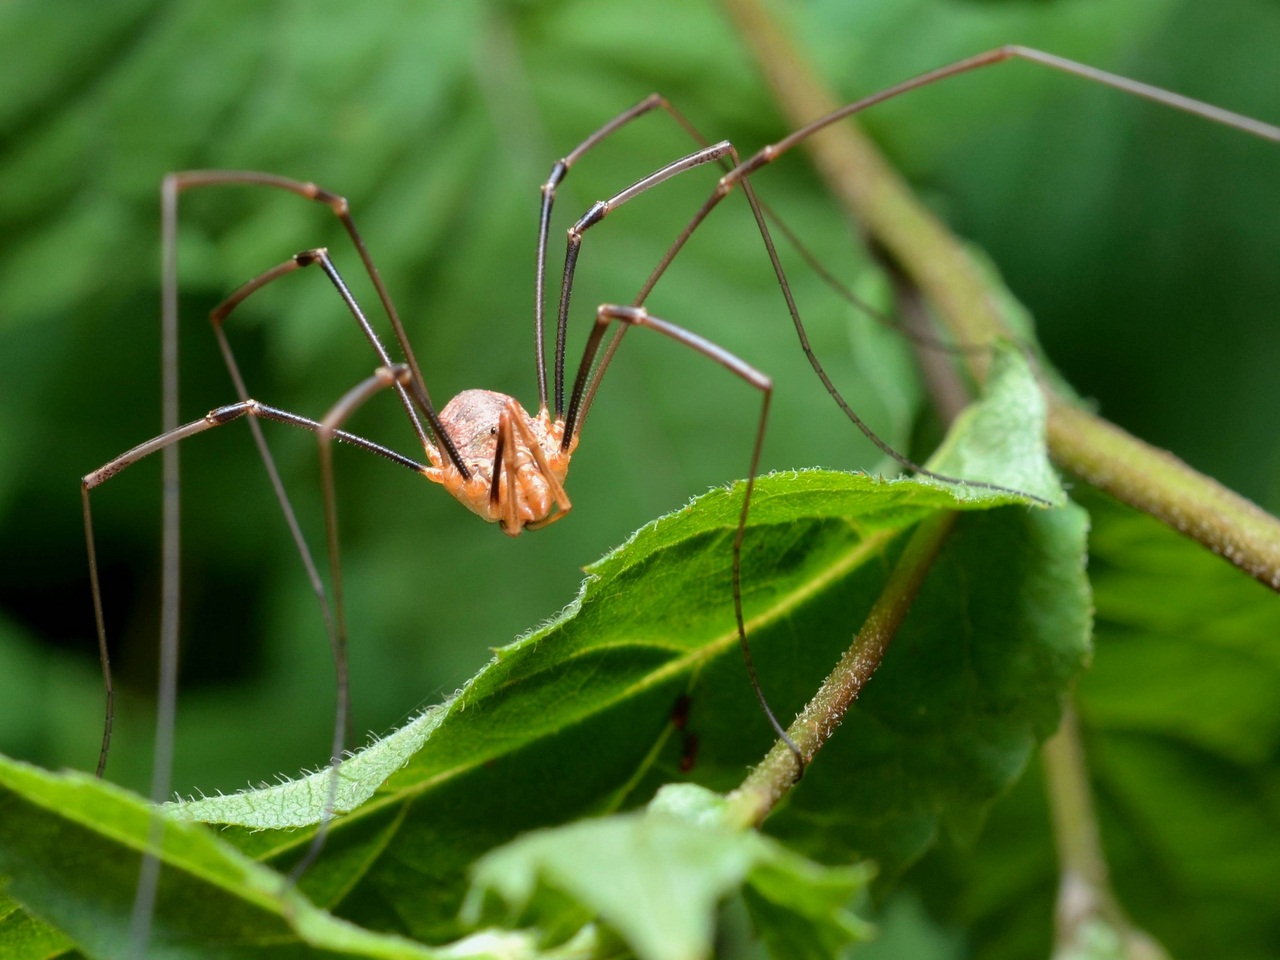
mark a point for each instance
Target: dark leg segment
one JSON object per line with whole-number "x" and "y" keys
{"x": 305, "y": 259}
{"x": 558, "y": 172}
{"x": 597, "y": 213}
{"x": 177, "y": 182}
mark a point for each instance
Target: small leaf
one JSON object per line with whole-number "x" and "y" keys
{"x": 801, "y": 909}
{"x": 1000, "y": 439}
{"x": 657, "y": 878}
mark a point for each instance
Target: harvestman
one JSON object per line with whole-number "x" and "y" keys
{"x": 501, "y": 462}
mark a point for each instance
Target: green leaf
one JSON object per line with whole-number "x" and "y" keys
{"x": 301, "y": 802}
{"x": 801, "y": 910}
{"x": 26, "y": 938}
{"x": 657, "y": 878}
{"x": 70, "y": 846}
{"x": 1000, "y": 439}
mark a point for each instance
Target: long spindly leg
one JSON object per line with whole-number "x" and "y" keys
{"x": 215, "y": 418}
{"x": 559, "y": 170}
{"x": 217, "y": 318}
{"x": 171, "y": 187}
{"x": 326, "y": 432}
{"x": 319, "y": 255}
{"x": 771, "y": 152}
{"x": 728, "y": 160}
{"x": 723, "y": 188}
{"x": 639, "y": 317}
{"x": 834, "y": 392}
{"x": 597, "y": 212}
{"x": 144, "y": 899}
{"x": 178, "y": 182}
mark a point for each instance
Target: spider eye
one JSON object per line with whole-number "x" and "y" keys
{"x": 492, "y": 431}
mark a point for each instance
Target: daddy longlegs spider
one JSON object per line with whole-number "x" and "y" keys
{"x": 500, "y": 461}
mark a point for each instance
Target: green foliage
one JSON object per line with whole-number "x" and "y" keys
{"x": 1183, "y": 774}
{"x": 1142, "y": 242}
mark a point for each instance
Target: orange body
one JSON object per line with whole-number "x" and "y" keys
{"x": 516, "y": 461}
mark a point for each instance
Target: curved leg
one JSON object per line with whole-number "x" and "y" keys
{"x": 175, "y": 183}
{"x": 559, "y": 170}
{"x": 771, "y": 152}
{"x": 598, "y": 211}
{"x": 639, "y": 317}
{"x": 306, "y": 258}
{"x": 144, "y": 900}
{"x": 326, "y": 432}
{"x": 217, "y": 417}
{"x": 171, "y": 187}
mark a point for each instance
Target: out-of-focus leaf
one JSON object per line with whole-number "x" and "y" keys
{"x": 26, "y": 938}
{"x": 904, "y": 929}
{"x": 1180, "y": 735}
{"x": 657, "y": 878}
{"x": 802, "y": 910}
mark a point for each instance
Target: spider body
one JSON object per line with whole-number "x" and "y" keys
{"x": 516, "y": 462}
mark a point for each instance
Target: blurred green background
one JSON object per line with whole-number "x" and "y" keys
{"x": 1143, "y": 241}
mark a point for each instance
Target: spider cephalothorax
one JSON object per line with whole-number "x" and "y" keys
{"x": 516, "y": 462}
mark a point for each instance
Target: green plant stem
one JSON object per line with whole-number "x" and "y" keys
{"x": 1071, "y": 806}
{"x": 966, "y": 300}
{"x": 780, "y": 770}
{"x": 1158, "y": 483}
{"x": 1085, "y": 898}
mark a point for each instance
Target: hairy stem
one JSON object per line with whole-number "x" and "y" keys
{"x": 779, "y": 770}
{"x": 1158, "y": 483}
{"x": 967, "y": 301}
